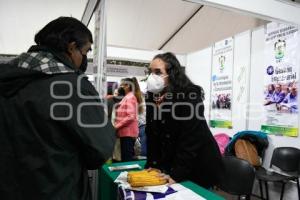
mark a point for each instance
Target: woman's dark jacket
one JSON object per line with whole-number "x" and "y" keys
{"x": 179, "y": 141}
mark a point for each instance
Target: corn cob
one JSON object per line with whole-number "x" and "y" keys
{"x": 145, "y": 178}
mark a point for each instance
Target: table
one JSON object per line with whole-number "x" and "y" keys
{"x": 107, "y": 189}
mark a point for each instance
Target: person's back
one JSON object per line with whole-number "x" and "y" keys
{"x": 50, "y": 127}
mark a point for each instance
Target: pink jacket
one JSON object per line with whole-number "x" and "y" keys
{"x": 126, "y": 121}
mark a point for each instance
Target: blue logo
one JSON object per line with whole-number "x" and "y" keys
{"x": 214, "y": 77}
{"x": 226, "y": 42}
{"x": 270, "y": 70}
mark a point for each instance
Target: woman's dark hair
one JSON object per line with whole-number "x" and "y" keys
{"x": 132, "y": 82}
{"x": 58, "y": 33}
{"x": 178, "y": 80}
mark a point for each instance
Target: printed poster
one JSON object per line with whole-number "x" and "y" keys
{"x": 221, "y": 84}
{"x": 281, "y": 80}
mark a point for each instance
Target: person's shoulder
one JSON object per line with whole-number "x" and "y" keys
{"x": 194, "y": 88}
{"x": 194, "y": 92}
{"x": 130, "y": 96}
{"x": 77, "y": 81}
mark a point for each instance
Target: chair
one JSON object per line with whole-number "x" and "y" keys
{"x": 287, "y": 159}
{"x": 238, "y": 177}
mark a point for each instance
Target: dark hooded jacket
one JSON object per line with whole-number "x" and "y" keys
{"x": 52, "y": 129}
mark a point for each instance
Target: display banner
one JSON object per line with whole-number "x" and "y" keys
{"x": 281, "y": 80}
{"x": 221, "y": 84}
{"x": 124, "y": 71}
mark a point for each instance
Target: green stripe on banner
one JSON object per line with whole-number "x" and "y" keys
{"x": 280, "y": 130}
{"x": 220, "y": 124}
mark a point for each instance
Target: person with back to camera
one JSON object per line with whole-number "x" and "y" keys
{"x": 52, "y": 122}
{"x": 113, "y": 104}
{"x": 142, "y": 125}
{"x": 179, "y": 142}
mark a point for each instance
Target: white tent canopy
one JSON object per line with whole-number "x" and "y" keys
{"x": 21, "y": 20}
{"x": 149, "y": 24}
{"x": 138, "y": 24}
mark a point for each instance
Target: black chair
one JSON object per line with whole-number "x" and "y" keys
{"x": 238, "y": 177}
{"x": 287, "y": 159}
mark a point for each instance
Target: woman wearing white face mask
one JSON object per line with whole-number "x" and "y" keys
{"x": 179, "y": 142}
{"x": 155, "y": 83}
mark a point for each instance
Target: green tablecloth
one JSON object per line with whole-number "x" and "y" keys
{"x": 108, "y": 189}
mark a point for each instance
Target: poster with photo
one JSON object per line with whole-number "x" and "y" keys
{"x": 221, "y": 84}
{"x": 281, "y": 80}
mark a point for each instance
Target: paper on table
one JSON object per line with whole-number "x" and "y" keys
{"x": 124, "y": 167}
{"x": 122, "y": 178}
{"x": 122, "y": 181}
{"x": 183, "y": 193}
{"x": 159, "y": 188}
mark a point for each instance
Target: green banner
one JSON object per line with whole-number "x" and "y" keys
{"x": 280, "y": 130}
{"x": 220, "y": 124}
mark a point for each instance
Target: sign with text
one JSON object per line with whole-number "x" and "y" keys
{"x": 221, "y": 84}
{"x": 281, "y": 80}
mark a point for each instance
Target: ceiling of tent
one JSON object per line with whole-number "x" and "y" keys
{"x": 148, "y": 24}
{"x": 138, "y": 24}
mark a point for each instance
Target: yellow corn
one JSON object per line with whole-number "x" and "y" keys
{"x": 145, "y": 178}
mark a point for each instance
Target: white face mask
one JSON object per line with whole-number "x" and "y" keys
{"x": 155, "y": 83}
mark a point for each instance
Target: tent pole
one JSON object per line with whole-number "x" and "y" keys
{"x": 171, "y": 37}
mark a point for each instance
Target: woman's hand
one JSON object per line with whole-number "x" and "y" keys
{"x": 153, "y": 169}
{"x": 164, "y": 176}
{"x": 168, "y": 178}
